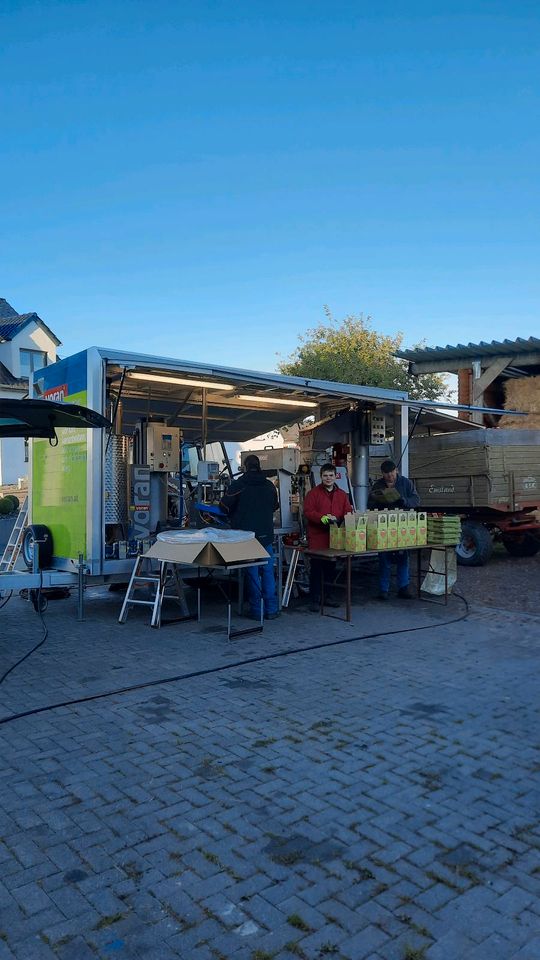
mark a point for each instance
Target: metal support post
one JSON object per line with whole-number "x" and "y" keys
{"x": 360, "y": 459}
{"x": 80, "y": 588}
{"x": 401, "y": 439}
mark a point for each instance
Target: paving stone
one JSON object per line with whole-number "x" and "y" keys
{"x": 391, "y": 769}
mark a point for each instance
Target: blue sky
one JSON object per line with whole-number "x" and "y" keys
{"x": 197, "y": 179}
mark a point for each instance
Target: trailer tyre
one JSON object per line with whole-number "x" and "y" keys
{"x": 476, "y": 544}
{"x": 526, "y": 545}
{"x": 42, "y": 534}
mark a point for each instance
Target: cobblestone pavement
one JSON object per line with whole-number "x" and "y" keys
{"x": 374, "y": 800}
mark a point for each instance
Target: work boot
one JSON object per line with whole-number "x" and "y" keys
{"x": 272, "y": 616}
{"x": 404, "y": 593}
{"x": 383, "y": 595}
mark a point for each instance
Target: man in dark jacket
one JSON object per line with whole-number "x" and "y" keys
{"x": 250, "y": 503}
{"x": 391, "y": 492}
{"x": 325, "y": 504}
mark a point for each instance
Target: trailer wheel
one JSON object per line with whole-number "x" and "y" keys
{"x": 39, "y": 601}
{"x": 40, "y": 533}
{"x": 524, "y": 545}
{"x": 476, "y": 544}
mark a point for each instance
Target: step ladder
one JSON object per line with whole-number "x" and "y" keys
{"x": 291, "y": 574}
{"x": 158, "y": 581}
{"x": 13, "y": 546}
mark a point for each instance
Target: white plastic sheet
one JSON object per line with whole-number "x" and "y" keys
{"x": 434, "y": 580}
{"x": 208, "y": 535}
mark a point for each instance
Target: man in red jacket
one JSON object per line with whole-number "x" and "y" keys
{"x": 325, "y": 504}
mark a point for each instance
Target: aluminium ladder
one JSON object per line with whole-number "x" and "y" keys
{"x": 13, "y": 546}
{"x": 158, "y": 580}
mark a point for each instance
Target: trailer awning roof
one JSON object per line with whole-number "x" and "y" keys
{"x": 238, "y": 404}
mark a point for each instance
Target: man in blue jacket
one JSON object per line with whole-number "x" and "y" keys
{"x": 391, "y": 492}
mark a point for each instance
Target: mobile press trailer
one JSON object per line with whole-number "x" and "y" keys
{"x": 102, "y": 496}
{"x": 492, "y": 479}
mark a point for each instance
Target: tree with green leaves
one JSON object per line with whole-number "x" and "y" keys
{"x": 353, "y": 352}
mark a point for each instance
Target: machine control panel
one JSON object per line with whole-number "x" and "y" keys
{"x": 163, "y": 448}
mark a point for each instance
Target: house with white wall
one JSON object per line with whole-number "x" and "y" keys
{"x": 26, "y": 344}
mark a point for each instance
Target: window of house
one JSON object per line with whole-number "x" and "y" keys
{"x": 32, "y": 360}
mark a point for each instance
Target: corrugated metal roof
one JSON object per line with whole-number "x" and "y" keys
{"x": 495, "y": 348}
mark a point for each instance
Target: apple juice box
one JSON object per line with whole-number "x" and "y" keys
{"x": 393, "y": 529}
{"x": 411, "y": 528}
{"x": 337, "y": 537}
{"x": 403, "y": 529}
{"x": 355, "y": 532}
{"x": 377, "y": 530}
{"x": 421, "y": 527}
{"x": 361, "y": 532}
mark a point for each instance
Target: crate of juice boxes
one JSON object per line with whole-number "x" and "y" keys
{"x": 380, "y": 530}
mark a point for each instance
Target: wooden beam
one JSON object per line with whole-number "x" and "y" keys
{"x": 453, "y": 364}
{"x": 488, "y": 376}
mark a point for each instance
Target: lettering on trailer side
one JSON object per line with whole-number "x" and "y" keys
{"x": 140, "y": 502}
{"x": 58, "y": 394}
{"x": 434, "y": 489}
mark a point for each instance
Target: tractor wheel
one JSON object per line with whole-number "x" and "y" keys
{"x": 522, "y": 545}
{"x": 476, "y": 545}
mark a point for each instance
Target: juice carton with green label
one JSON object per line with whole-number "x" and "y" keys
{"x": 377, "y": 530}
{"x": 393, "y": 517}
{"x": 421, "y": 527}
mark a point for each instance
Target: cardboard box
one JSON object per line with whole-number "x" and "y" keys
{"x": 411, "y": 528}
{"x": 421, "y": 527}
{"x": 377, "y": 530}
{"x": 393, "y": 517}
{"x": 208, "y": 554}
{"x": 403, "y": 528}
{"x": 355, "y": 532}
{"x": 337, "y": 537}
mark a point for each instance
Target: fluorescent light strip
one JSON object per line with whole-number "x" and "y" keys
{"x": 288, "y": 403}
{"x": 154, "y": 377}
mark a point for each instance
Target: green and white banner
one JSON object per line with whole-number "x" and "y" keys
{"x": 59, "y": 472}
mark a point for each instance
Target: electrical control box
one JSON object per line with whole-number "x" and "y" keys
{"x": 163, "y": 448}
{"x": 207, "y": 471}
{"x": 378, "y": 428}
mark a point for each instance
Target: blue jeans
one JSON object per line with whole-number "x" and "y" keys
{"x": 260, "y": 582}
{"x": 401, "y": 558}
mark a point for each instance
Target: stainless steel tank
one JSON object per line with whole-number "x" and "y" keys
{"x": 116, "y": 492}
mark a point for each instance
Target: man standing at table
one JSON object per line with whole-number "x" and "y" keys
{"x": 250, "y": 503}
{"x": 391, "y": 492}
{"x": 324, "y": 504}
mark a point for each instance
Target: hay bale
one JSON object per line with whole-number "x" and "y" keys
{"x": 522, "y": 394}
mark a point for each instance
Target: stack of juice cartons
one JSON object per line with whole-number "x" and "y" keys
{"x": 355, "y": 532}
{"x": 443, "y": 529}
